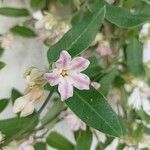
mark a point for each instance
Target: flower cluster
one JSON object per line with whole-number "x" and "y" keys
{"x": 140, "y": 95}
{"x": 32, "y": 94}
{"x": 50, "y": 27}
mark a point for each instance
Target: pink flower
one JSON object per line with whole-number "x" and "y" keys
{"x": 27, "y": 145}
{"x": 67, "y": 75}
{"x": 74, "y": 122}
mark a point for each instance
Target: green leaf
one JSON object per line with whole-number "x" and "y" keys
{"x": 121, "y": 146}
{"x": 12, "y": 127}
{"x": 14, "y": 12}
{"x": 1, "y": 51}
{"x": 37, "y": 3}
{"x": 23, "y": 31}
{"x": 79, "y": 37}
{"x": 107, "y": 80}
{"x": 99, "y": 146}
{"x": 40, "y": 146}
{"x": 118, "y": 81}
{"x": 94, "y": 68}
{"x": 64, "y": 2}
{"x": 47, "y": 87}
{"x": 15, "y": 94}
{"x": 3, "y": 104}
{"x": 84, "y": 140}
{"x": 59, "y": 142}
{"x": 2, "y": 65}
{"x": 53, "y": 112}
{"x": 92, "y": 108}
{"x": 134, "y": 54}
{"x": 122, "y": 17}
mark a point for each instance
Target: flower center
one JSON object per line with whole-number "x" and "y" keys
{"x": 64, "y": 73}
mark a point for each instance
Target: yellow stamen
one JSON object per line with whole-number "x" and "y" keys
{"x": 64, "y": 73}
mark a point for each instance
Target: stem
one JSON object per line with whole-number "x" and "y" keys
{"x": 34, "y": 119}
{"x": 46, "y": 101}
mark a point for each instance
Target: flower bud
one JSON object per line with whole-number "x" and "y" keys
{"x": 34, "y": 77}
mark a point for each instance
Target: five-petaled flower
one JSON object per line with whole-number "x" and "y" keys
{"x": 67, "y": 75}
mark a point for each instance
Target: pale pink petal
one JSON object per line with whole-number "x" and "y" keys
{"x": 28, "y": 110}
{"x": 79, "y": 64}
{"x": 80, "y": 81}
{"x": 20, "y": 103}
{"x": 65, "y": 88}
{"x": 26, "y": 147}
{"x": 64, "y": 60}
{"x": 53, "y": 78}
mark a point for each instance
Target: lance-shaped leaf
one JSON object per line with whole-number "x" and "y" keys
{"x": 92, "y": 108}
{"x": 14, "y": 12}
{"x": 14, "y": 127}
{"x": 134, "y": 54}
{"x": 2, "y": 65}
{"x": 3, "y": 104}
{"x": 23, "y": 31}
{"x": 40, "y": 146}
{"x": 1, "y": 51}
{"x": 64, "y": 2}
{"x": 79, "y": 37}
{"x": 38, "y": 3}
{"x": 84, "y": 140}
{"x": 124, "y": 18}
{"x": 15, "y": 94}
{"x": 59, "y": 142}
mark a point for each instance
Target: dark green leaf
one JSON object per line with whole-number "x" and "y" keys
{"x": 14, "y": 12}
{"x": 15, "y": 94}
{"x": 107, "y": 80}
{"x": 121, "y": 146}
{"x": 12, "y": 127}
{"x": 92, "y": 108}
{"x": 76, "y": 134}
{"x": 79, "y": 37}
{"x": 1, "y": 51}
{"x": 53, "y": 112}
{"x": 124, "y": 18}
{"x": 23, "y": 31}
{"x": 99, "y": 146}
{"x": 147, "y": 130}
{"x": 64, "y": 2}
{"x": 38, "y": 3}
{"x": 134, "y": 53}
{"x": 84, "y": 140}
{"x": 47, "y": 87}
{"x": 3, "y": 104}
{"x": 59, "y": 142}
{"x": 119, "y": 81}
{"x": 2, "y": 65}
{"x": 94, "y": 68}
{"x": 40, "y": 146}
